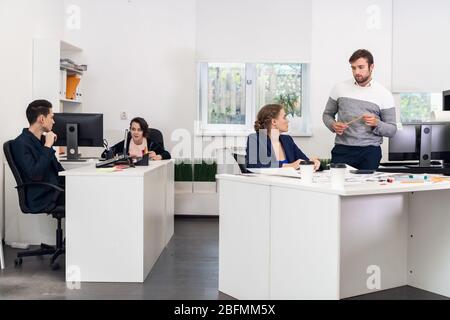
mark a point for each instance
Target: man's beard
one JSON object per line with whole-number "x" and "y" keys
{"x": 363, "y": 80}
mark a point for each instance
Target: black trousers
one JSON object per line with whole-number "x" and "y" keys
{"x": 367, "y": 158}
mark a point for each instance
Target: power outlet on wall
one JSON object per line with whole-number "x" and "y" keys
{"x": 123, "y": 115}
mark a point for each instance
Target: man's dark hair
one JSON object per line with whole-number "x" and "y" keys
{"x": 36, "y": 108}
{"x": 362, "y": 53}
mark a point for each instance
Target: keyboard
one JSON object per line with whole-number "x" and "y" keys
{"x": 403, "y": 164}
{"x": 112, "y": 161}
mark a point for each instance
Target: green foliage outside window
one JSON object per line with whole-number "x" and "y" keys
{"x": 415, "y": 107}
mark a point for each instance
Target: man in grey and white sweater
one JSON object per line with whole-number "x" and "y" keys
{"x": 365, "y": 114}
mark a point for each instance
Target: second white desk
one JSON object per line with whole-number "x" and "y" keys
{"x": 280, "y": 239}
{"x": 117, "y": 223}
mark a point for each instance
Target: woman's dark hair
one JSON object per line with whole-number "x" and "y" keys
{"x": 265, "y": 116}
{"x": 142, "y": 124}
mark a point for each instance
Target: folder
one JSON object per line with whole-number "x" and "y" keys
{"x": 71, "y": 89}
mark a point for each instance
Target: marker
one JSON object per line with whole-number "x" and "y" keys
{"x": 411, "y": 176}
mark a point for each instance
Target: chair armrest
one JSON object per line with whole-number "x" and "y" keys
{"x": 27, "y": 184}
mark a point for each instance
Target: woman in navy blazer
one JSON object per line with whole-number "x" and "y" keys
{"x": 268, "y": 148}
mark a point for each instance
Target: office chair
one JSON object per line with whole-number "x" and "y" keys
{"x": 153, "y": 135}
{"x": 58, "y": 212}
{"x": 2, "y": 257}
{"x": 240, "y": 159}
{"x": 156, "y": 135}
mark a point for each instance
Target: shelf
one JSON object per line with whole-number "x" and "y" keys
{"x": 71, "y": 70}
{"x": 69, "y": 100}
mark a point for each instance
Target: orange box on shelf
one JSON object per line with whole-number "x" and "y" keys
{"x": 71, "y": 86}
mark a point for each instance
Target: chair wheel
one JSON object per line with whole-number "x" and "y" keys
{"x": 18, "y": 262}
{"x": 55, "y": 266}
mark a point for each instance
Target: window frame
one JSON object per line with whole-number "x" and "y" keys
{"x": 202, "y": 128}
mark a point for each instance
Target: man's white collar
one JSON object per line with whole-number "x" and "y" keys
{"x": 366, "y": 86}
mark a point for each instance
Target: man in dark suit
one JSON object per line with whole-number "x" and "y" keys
{"x": 35, "y": 158}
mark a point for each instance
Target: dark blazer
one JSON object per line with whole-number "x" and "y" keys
{"x": 260, "y": 153}
{"x": 36, "y": 163}
{"x": 151, "y": 146}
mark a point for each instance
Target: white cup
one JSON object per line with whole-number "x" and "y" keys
{"x": 337, "y": 175}
{"x": 307, "y": 171}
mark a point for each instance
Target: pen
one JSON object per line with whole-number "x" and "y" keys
{"x": 354, "y": 120}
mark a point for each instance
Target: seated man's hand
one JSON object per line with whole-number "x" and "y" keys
{"x": 50, "y": 139}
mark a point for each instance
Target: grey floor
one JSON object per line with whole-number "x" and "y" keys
{"x": 187, "y": 270}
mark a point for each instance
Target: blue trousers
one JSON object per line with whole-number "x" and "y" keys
{"x": 367, "y": 158}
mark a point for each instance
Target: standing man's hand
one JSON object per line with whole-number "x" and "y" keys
{"x": 50, "y": 139}
{"x": 370, "y": 120}
{"x": 339, "y": 127}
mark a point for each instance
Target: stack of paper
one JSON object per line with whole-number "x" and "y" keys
{"x": 283, "y": 172}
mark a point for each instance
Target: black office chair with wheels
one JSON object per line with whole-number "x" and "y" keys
{"x": 57, "y": 212}
{"x": 240, "y": 159}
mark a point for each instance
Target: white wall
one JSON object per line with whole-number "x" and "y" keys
{"x": 421, "y": 47}
{"x": 20, "y": 22}
{"x": 254, "y": 30}
{"x": 140, "y": 57}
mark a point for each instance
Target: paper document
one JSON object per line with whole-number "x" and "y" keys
{"x": 283, "y": 172}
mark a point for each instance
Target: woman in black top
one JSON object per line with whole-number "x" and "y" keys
{"x": 139, "y": 143}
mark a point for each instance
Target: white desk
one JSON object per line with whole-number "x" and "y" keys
{"x": 117, "y": 223}
{"x": 280, "y": 239}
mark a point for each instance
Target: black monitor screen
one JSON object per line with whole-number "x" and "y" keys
{"x": 446, "y": 100}
{"x": 440, "y": 142}
{"x": 90, "y": 128}
{"x": 405, "y": 145}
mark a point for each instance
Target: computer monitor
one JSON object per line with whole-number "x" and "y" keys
{"x": 405, "y": 144}
{"x": 424, "y": 142}
{"x": 446, "y": 100}
{"x": 78, "y": 129}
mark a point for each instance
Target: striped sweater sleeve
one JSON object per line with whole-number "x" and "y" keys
{"x": 387, "y": 124}
{"x": 329, "y": 115}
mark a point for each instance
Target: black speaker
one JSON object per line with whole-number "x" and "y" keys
{"x": 72, "y": 141}
{"x": 425, "y": 146}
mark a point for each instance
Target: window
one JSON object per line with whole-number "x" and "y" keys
{"x": 417, "y": 107}
{"x": 226, "y": 94}
{"x": 281, "y": 83}
{"x": 231, "y": 94}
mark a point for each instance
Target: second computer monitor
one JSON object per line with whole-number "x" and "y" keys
{"x": 421, "y": 141}
{"x": 78, "y": 129}
{"x": 446, "y": 100}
